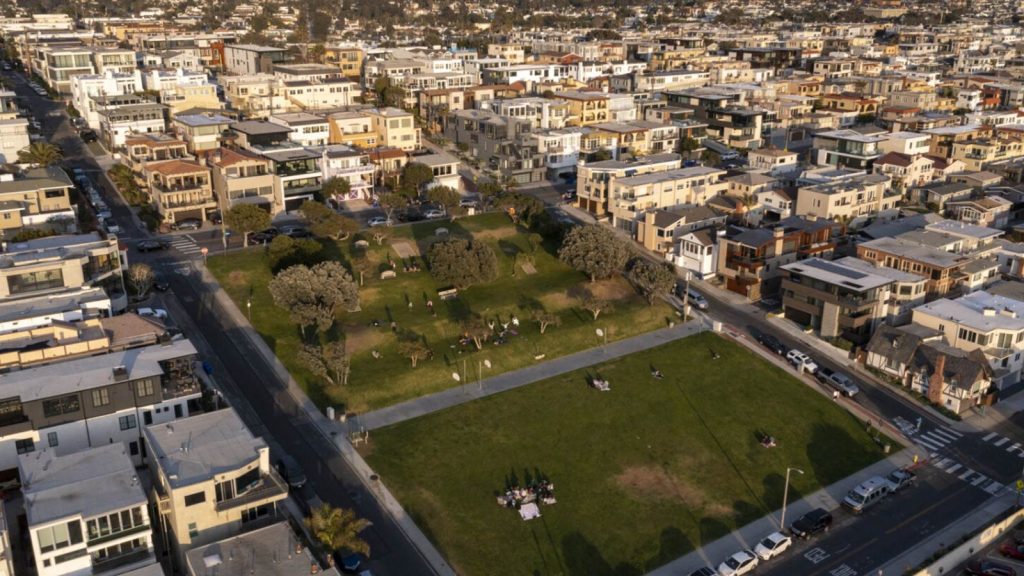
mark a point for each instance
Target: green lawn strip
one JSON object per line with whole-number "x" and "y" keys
{"x": 389, "y": 379}
{"x": 642, "y": 474}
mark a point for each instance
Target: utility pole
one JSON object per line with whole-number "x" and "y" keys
{"x": 686, "y": 298}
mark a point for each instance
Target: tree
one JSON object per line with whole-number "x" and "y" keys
{"x": 596, "y": 306}
{"x": 391, "y": 201}
{"x": 314, "y": 295}
{"x": 388, "y": 94}
{"x": 246, "y": 218}
{"x": 689, "y": 144}
{"x": 284, "y": 251}
{"x": 462, "y": 263}
{"x": 338, "y": 529}
{"x": 141, "y": 277}
{"x": 414, "y": 176}
{"x": 326, "y": 222}
{"x": 651, "y": 279}
{"x": 380, "y": 234}
{"x": 337, "y": 187}
{"x": 445, "y": 196}
{"x": 40, "y": 154}
{"x": 475, "y": 328}
{"x": 489, "y": 190}
{"x": 412, "y": 346}
{"x": 594, "y": 250}
{"x": 328, "y": 361}
{"x": 545, "y": 318}
{"x": 536, "y": 241}
{"x": 710, "y": 158}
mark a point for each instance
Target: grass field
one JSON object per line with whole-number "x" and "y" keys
{"x": 642, "y": 474}
{"x": 379, "y": 382}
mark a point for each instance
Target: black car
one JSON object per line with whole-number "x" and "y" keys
{"x": 264, "y": 236}
{"x": 291, "y": 471}
{"x": 161, "y": 286}
{"x": 152, "y": 245}
{"x": 215, "y": 217}
{"x": 772, "y": 343}
{"x": 705, "y": 571}
{"x": 983, "y": 567}
{"x": 410, "y": 215}
{"x": 817, "y": 520}
{"x": 296, "y": 232}
{"x": 88, "y": 135}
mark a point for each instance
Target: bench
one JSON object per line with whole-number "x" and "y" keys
{"x": 448, "y": 294}
{"x": 387, "y": 274}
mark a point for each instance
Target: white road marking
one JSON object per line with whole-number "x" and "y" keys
{"x": 928, "y": 445}
{"x": 979, "y": 480}
{"x": 993, "y": 488}
{"x": 1002, "y": 441}
{"x": 1014, "y": 447}
{"x": 966, "y": 474}
{"x": 990, "y": 436}
{"x": 816, "y": 555}
{"x": 843, "y": 570}
{"x": 956, "y": 433}
{"x": 941, "y": 464}
{"x": 943, "y": 434}
{"x": 954, "y": 468}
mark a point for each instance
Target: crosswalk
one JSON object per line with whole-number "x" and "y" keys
{"x": 185, "y": 244}
{"x": 936, "y": 439}
{"x": 1000, "y": 441}
{"x": 965, "y": 474}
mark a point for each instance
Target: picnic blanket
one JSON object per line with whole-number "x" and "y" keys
{"x": 529, "y": 511}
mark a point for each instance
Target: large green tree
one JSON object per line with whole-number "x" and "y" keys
{"x": 446, "y": 197}
{"x": 650, "y": 279}
{"x": 594, "y": 250}
{"x": 246, "y": 218}
{"x": 323, "y": 221}
{"x": 462, "y": 263}
{"x": 314, "y": 295}
{"x": 414, "y": 176}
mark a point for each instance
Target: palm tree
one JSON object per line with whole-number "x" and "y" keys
{"x": 40, "y": 154}
{"x": 338, "y": 528}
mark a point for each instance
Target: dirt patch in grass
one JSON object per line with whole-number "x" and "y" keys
{"x": 650, "y": 483}
{"x": 612, "y": 289}
{"x": 557, "y": 301}
{"x": 405, "y": 249}
{"x": 496, "y": 233}
{"x": 360, "y": 339}
{"x": 238, "y": 278}
{"x": 368, "y": 296}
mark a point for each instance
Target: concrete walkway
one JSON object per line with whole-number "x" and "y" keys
{"x": 512, "y": 380}
{"x": 748, "y": 536}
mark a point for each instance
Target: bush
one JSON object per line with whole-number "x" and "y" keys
{"x": 150, "y": 217}
{"x": 32, "y": 234}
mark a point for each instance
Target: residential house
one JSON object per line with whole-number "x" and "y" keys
{"x": 907, "y": 143}
{"x": 348, "y": 58}
{"x": 908, "y": 291}
{"x": 251, "y": 59}
{"x": 937, "y": 194}
{"x": 142, "y": 149}
{"x": 296, "y": 171}
{"x": 977, "y": 154}
{"x": 306, "y": 129}
{"x": 850, "y": 201}
{"x": 85, "y": 87}
{"x": 353, "y": 165}
{"x": 697, "y": 253}
{"x": 596, "y": 180}
{"x": 661, "y": 230}
{"x": 395, "y": 128}
{"x": 180, "y": 189}
{"x": 835, "y": 300}
{"x": 202, "y": 133}
{"x": 772, "y": 160}
{"x": 117, "y": 123}
{"x": 240, "y": 176}
{"x": 13, "y": 129}
{"x": 630, "y": 197}
{"x": 846, "y": 149}
{"x": 212, "y": 479}
{"x": 270, "y": 551}
{"x": 943, "y": 269}
{"x": 585, "y": 108}
{"x": 36, "y": 198}
{"x": 445, "y": 168}
{"x": 905, "y": 171}
{"x": 749, "y": 260}
{"x": 728, "y": 117}
{"x": 86, "y": 512}
{"x": 990, "y": 211}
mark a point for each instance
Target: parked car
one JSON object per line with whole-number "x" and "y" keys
{"x": 152, "y": 245}
{"x": 378, "y": 221}
{"x": 817, "y": 520}
{"x": 410, "y": 215}
{"x": 350, "y": 563}
{"x": 866, "y": 494}
{"x": 264, "y": 236}
{"x": 772, "y": 343}
{"x": 801, "y": 361}
{"x": 742, "y": 562}
{"x": 899, "y": 479}
{"x": 1011, "y": 549}
{"x": 986, "y": 567}
{"x": 469, "y": 202}
{"x": 188, "y": 224}
{"x": 215, "y": 217}
{"x": 158, "y": 313}
{"x": 772, "y": 545}
{"x": 161, "y": 286}
{"x": 88, "y": 135}
{"x": 434, "y": 213}
{"x": 697, "y": 300}
{"x": 112, "y": 227}
{"x": 705, "y": 571}
{"x": 296, "y": 231}
{"x": 291, "y": 471}
{"x": 843, "y": 383}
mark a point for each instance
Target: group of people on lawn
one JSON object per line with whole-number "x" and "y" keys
{"x": 542, "y": 492}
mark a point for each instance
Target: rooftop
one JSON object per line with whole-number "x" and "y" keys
{"x": 87, "y": 483}
{"x": 259, "y": 127}
{"x": 36, "y": 179}
{"x": 195, "y": 449}
{"x": 869, "y": 267}
{"x": 197, "y": 120}
{"x": 269, "y": 551}
{"x": 979, "y": 310}
{"x": 669, "y": 175}
{"x": 837, "y": 274}
{"x": 914, "y": 251}
{"x": 645, "y": 161}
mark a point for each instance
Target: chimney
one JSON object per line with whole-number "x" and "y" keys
{"x": 777, "y": 234}
{"x": 936, "y": 380}
{"x": 988, "y": 311}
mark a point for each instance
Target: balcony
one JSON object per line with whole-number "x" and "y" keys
{"x": 118, "y": 535}
{"x": 138, "y": 555}
{"x": 202, "y": 187}
{"x": 742, "y": 263}
{"x": 270, "y": 486}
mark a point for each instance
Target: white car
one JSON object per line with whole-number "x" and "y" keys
{"x": 379, "y": 221}
{"x": 801, "y": 361}
{"x": 742, "y": 562}
{"x": 434, "y": 213}
{"x": 773, "y": 544}
{"x": 158, "y": 313}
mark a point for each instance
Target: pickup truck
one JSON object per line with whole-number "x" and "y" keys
{"x": 899, "y": 479}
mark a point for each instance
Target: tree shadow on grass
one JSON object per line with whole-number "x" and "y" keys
{"x": 744, "y": 512}
{"x": 833, "y": 453}
{"x": 774, "y": 485}
{"x": 673, "y": 544}
{"x": 582, "y": 558}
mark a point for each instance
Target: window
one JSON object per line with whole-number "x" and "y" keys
{"x": 25, "y": 446}
{"x": 51, "y": 439}
{"x": 192, "y": 530}
{"x": 247, "y": 481}
{"x": 63, "y": 405}
{"x": 54, "y": 193}
{"x": 35, "y": 281}
{"x": 144, "y": 387}
{"x": 60, "y": 536}
{"x": 193, "y": 499}
{"x": 255, "y": 513}
{"x": 127, "y": 422}
{"x": 101, "y": 398}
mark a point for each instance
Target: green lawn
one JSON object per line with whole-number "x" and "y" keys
{"x": 642, "y": 474}
{"x": 375, "y": 383}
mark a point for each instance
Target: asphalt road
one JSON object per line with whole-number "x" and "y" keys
{"x": 249, "y": 383}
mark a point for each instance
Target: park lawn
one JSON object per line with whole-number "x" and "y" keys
{"x": 643, "y": 473}
{"x": 389, "y": 379}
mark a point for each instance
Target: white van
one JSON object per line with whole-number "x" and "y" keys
{"x": 869, "y": 493}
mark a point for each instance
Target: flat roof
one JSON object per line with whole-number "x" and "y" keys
{"x": 197, "y": 448}
{"x": 259, "y": 127}
{"x": 893, "y": 274}
{"x": 852, "y": 135}
{"x": 50, "y": 304}
{"x": 914, "y": 251}
{"x": 36, "y": 179}
{"x": 645, "y": 161}
{"x": 1003, "y": 313}
{"x": 669, "y": 175}
{"x": 269, "y": 551}
{"x": 196, "y": 120}
{"x": 839, "y": 275}
{"x": 298, "y": 119}
{"x": 438, "y": 159}
{"x": 89, "y": 483}
{"x": 72, "y": 376}
{"x": 964, "y": 229}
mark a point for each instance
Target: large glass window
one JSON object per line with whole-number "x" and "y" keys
{"x": 35, "y": 281}
{"x": 60, "y": 536}
{"x": 63, "y": 405}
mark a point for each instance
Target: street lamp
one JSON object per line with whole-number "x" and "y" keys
{"x": 479, "y": 368}
{"x": 248, "y": 306}
{"x": 785, "y": 497}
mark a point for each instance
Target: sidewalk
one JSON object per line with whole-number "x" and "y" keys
{"x": 332, "y": 431}
{"x": 748, "y": 536}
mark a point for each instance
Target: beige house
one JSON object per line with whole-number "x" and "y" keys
{"x": 596, "y": 180}
{"x": 144, "y": 148}
{"x": 847, "y": 199}
{"x": 585, "y": 108}
{"x": 632, "y": 196}
{"x": 978, "y": 153}
{"x": 395, "y": 128}
{"x": 906, "y": 171}
{"x": 180, "y": 189}
{"x": 212, "y": 479}
{"x": 241, "y": 177}
{"x": 36, "y": 198}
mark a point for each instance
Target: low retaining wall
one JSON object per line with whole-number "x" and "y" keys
{"x": 961, "y": 553}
